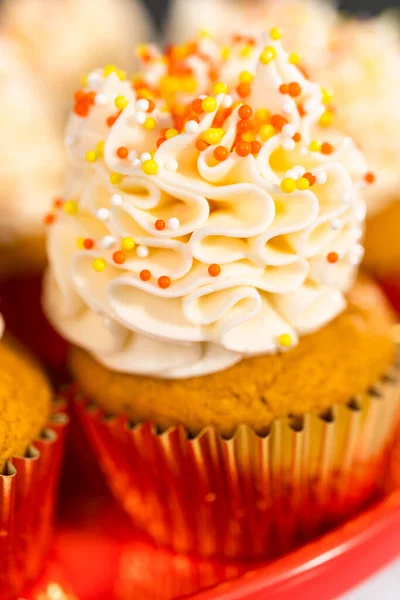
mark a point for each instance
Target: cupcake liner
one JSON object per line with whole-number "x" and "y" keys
{"x": 28, "y": 489}
{"x": 249, "y": 496}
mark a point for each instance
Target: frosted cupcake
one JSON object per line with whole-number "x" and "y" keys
{"x": 203, "y": 266}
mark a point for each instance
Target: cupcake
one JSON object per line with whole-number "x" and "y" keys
{"x": 30, "y": 453}
{"x": 237, "y": 382}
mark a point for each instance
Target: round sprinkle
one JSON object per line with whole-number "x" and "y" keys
{"x": 197, "y": 106}
{"x": 107, "y": 242}
{"x": 70, "y": 207}
{"x": 289, "y": 130}
{"x": 173, "y": 223}
{"x": 214, "y": 270}
{"x": 170, "y": 133}
{"x": 326, "y": 118}
{"x": 209, "y": 104}
{"x": 142, "y": 105}
{"x": 369, "y": 177}
{"x": 128, "y": 243}
{"x": 321, "y": 177}
{"x": 303, "y": 183}
{"x": 116, "y": 200}
{"x": 94, "y": 79}
{"x": 171, "y": 165}
{"x": 159, "y": 224}
{"x": 294, "y": 58}
{"x": 121, "y": 102}
{"x": 294, "y": 89}
{"x": 115, "y": 178}
{"x": 255, "y": 147}
{"x": 145, "y": 275}
{"x": 145, "y": 156}
{"x": 119, "y": 257}
{"x": 268, "y": 54}
{"x": 284, "y": 88}
{"x": 327, "y": 148}
{"x": 88, "y": 243}
{"x": 243, "y": 90}
{"x": 243, "y": 126}
{"x": 150, "y": 167}
{"x": 100, "y": 99}
{"x": 150, "y": 123}
{"x": 246, "y": 77}
{"x": 91, "y": 156}
{"x": 79, "y": 243}
{"x": 49, "y": 219}
{"x": 336, "y": 224}
{"x": 227, "y": 102}
{"x": 102, "y": 214}
{"x": 266, "y": 132}
{"x": 285, "y": 340}
{"x": 288, "y": 145}
{"x": 315, "y": 146}
{"x": 192, "y": 126}
{"x": 213, "y": 135}
{"x": 245, "y": 112}
{"x": 201, "y": 145}
{"x": 275, "y": 33}
{"x": 164, "y": 282}
{"x": 243, "y": 149}
{"x": 136, "y": 163}
{"x": 288, "y": 185}
{"x": 142, "y": 251}
{"x": 99, "y": 264}
{"x": 100, "y": 148}
{"x": 311, "y": 178}
{"x": 220, "y": 88}
{"x": 332, "y": 257}
{"x": 122, "y": 152}
{"x": 278, "y": 121}
{"x": 139, "y": 118}
{"x": 220, "y": 153}
{"x": 297, "y": 137}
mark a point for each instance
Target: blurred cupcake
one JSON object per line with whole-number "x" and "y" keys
{"x": 30, "y": 454}
{"x": 66, "y": 38}
{"x": 202, "y": 265}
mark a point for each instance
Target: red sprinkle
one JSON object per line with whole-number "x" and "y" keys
{"x": 49, "y": 219}
{"x": 297, "y": 137}
{"x": 332, "y": 257}
{"x": 145, "y": 275}
{"x": 164, "y": 282}
{"x": 122, "y": 152}
{"x": 88, "y": 243}
{"x": 159, "y": 224}
{"x": 214, "y": 270}
{"x": 58, "y": 202}
{"x": 369, "y": 177}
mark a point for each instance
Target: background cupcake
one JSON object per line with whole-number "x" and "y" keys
{"x": 30, "y": 455}
{"x": 202, "y": 264}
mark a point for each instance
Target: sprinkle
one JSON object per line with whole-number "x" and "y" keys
{"x": 243, "y": 149}
{"x": 145, "y": 275}
{"x": 292, "y": 174}
{"x": 267, "y": 55}
{"x": 192, "y": 126}
{"x": 220, "y": 88}
{"x": 121, "y": 102}
{"x": 336, "y": 224}
{"x": 255, "y": 147}
{"x": 201, "y": 145}
{"x": 326, "y": 118}
{"x": 209, "y": 104}
{"x": 311, "y": 178}
{"x": 127, "y": 243}
{"x": 221, "y": 153}
{"x": 243, "y": 126}
{"x": 171, "y": 165}
{"x": 197, "y": 106}
{"x": 94, "y": 79}
{"x": 49, "y": 219}
{"x": 288, "y": 145}
{"x": 245, "y": 112}
{"x": 327, "y": 95}
{"x": 132, "y": 154}
{"x": 246, "y": 77}
{"x": 91, "y": 156}
{"x": 332, "y": 257}
{"x": 100, "y": 148}
{"x": 139, "y": 118}
{"x": 227, "y": 102}
{"x": 275, "y": 33}
{"x": 142, "y": 251}
{"x": 142, "y": 105}
{"x": 243, "y": 90}
{"x": 115, "y": 178}
{"x": 102, "y": 214}
{"x": 288, "y": 185}
{"x": 99, "y": 264}
{"x": 107, "y": 242}
{"x": 58, "y": 202}
{"x": 150, "y": 167}
{"x": 278, "y": 121}
{"x": 327, "y": 148}
{"x": 69, "y": 140}
{"x": 150, "y": 123}
{"x": 164, "y": 282}
{"x": 246, "y": 51}
{"x": 79, "y": 243}
{"x": 214, "y": 270}
{"x": 303, "y": 183}
{"x": 285, "y": 340}
{"x": 321, "y": 177}
{"x": 122, "y": 152}
{"x": 108, "y": 69}
{"x": 225, "y": 53}
{"x": 170, "y": 133}
{"x": 116, "y": 200}
{"x": 71, "y": 207}
{"x": 100, "y": 99}
{"x": 136, "y": 163}
{"x": 266, "y": 132}
{"x": 297, "y": 137}
{"x": 289, "y": 130}
{"x": 119, "y": 257}
{"x": 213, "y": 135}
{"x": 173, "y": 223}
{"x": 145, "y": 156}
{"x": 159, "y": 224}
{"x": 315, "y": 146}
{"x": 369, "y": 177}
{"x": 294, "y": 58}
{"x": 294, "y": 89}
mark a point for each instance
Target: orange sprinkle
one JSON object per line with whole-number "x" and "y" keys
{"x": 294, "y": 89}
{"x": 243, "y": 90}
{"x": 164, "y": 282}
{"x": 197, "y": 106}
{"x": 159, "y": 224}
{"x": 122, "y": 152}
{"x": 301, "y": 110}
{"x": 214, "y": 270}
{"x": 327, "y": 148}
{"x": 119, "y": 257}
{"x": 220, "y": 153}
{"x": 311, "y": 178}
{"x": 160, "y": 141}
{"x": 244, "y": 126}
{"x": 201, "y": 145}
{"x": 145, "y": 275}
{"x": 88, "y": 243}
{"x": 284, "y": 88}
{"x": 255, "y": 147}
{"x": 90, "y": 98}
{"x": 152, "y": 105}
{"x": 243, "y": 149}
{"x": 81, "y": 109}
{"x": 296, "y": 137}
{"x": 245, "y": 112}
{"x": 79, "y": 95}
{"x": 58, "y": 202}
{"x": 278, "y": 121}
{"x": 49, "y": 219}
{"x": 332, "y": 257}
{"x": 369, "y": 177}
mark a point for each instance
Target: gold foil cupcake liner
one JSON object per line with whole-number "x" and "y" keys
{"x": 250, "y": 496}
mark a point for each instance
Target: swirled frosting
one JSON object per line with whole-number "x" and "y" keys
{"x": 203, "y": 221}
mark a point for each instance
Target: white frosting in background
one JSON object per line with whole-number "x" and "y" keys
{"x": 359, "y": 59}
{"x": 276, "y": 283}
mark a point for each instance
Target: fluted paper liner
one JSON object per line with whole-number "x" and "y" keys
{"x": 249, "y": 496}
{"x": 27, "y": 499}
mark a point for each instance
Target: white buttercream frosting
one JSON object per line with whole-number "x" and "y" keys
{"x": 232, "y": 258}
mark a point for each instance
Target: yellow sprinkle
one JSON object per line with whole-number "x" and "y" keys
{"x": 150, "y": 123}
{"x": 171, "y": 133}
{"x": 100, "y": 148}
{"x": 266, "y": 132}
{"x": 275, "y": 33}
{"x": 79, "y": 243}
{"x": 121, "y": 74}
{"x": 115, "y": 178}
{"x": 285, "y": 340}
{"x": 146, "y": 94}
{"x": 99, "y": 264}
{"x": 246, "y": 51}
{"x": 209, "y": 104}
{"x": 204, "y": 33}
{"x": 249, "y": 136}
{"x": 246, "y": 77}
{"x": 121, "y": 102}
{"x": 108, "y": 69}
{"x": 70, "y": 207}
{"x": 128, "y": 243}
{"x": 189, "y": 84}
{"x": 327, "y": 95}
{"x": 288, "y": 185}
{"x": 326, "y": 119}
{"x": 213, "y": 135}
{"x": 262, "y": 114}
{"x": 303, "y": 183}
{"x": 91, "y": 156}
{"x": 225, "y": 53}
{"x": 315, "y": 146}
{"x": 294, "y": 58}
{"x": 220, "y": 88}
{"x": 268, "y": 54}
{"x": 150, "y": 167}
{"x": 84, "y": 80}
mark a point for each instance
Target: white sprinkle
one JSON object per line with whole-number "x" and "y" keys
{"x": 288, "y": 107}
{"x": 145, "y": 156}
{"x": 142, "y": 105}
{"x": 70, "y": 140}
{"x": 132, "y": 154}
{"x": 192, "y": 126}
{"x": 116, "y": 200}
{"x": 336, "y": 224}
{"x": 227, "y": 101}
{"x": 94, "y": 80}
{"x": 102, "y": 214}
{"x": 139, "y": 118}
{"x": 303, "y": 151}
{"x": 107, "y": 242}
{"x": 136, "y": 163}
{"x": 289, "y": 130}
{"x": 142, "y": 251}
{"x": 300, "y": 170}
{"x": 171, "y": 165}
{"x": 100, "y": 99}
{"x": 347, "y": 197}
{"x": 173, "y": 223}
{"x": 321, "y": 177}
{"x": 288, "y": 144}
{"x": 356, "y": 255}
{"x": 292, "y": 174}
